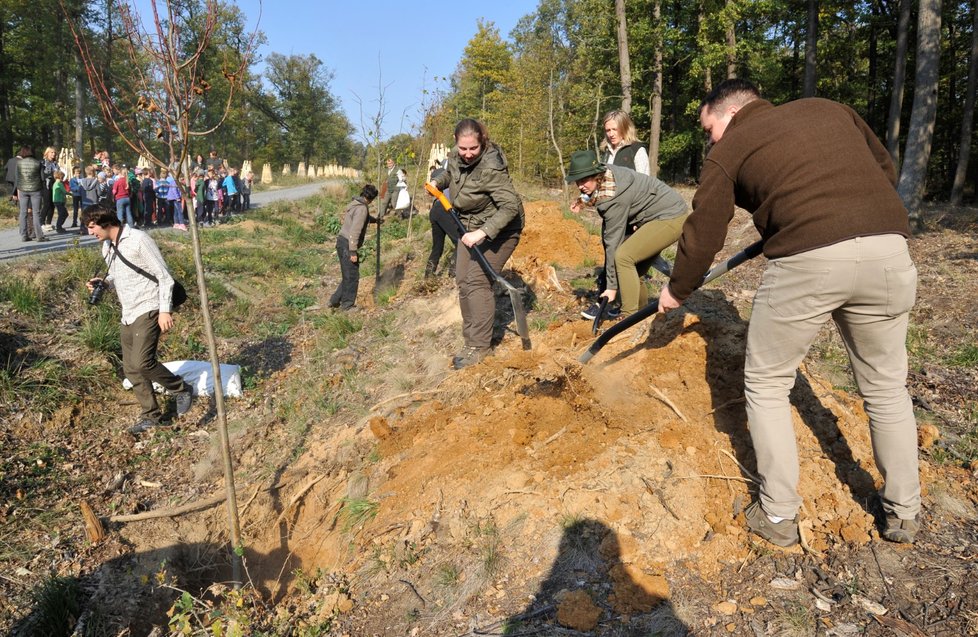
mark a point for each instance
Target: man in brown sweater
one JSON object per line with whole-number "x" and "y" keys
{"x": 821, "y": 189}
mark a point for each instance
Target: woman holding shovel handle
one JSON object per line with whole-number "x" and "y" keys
{"x": 492, "y": 213}
{"x": 640, "y": 217}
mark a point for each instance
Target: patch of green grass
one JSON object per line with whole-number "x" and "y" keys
{"x": 299, "y": 301}
{"x": 307, "y": 263}
{"x": 964, "y": 356}
{"x": 385, "y": 296}
{"x": 796, "y": 619}
{"x": 447, "y": 575}
{"x": 335, "y": 328}
{"x": 25, "y": 298}
{"x": 56, "y": 606}
{"x": 356, "y": 512}
{"x": 918, "y": 342}
{"x": 100, "y": 330}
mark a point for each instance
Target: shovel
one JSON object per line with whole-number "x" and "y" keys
{"x": 514, "y": 294}
{"x": 746, "y": 254}
{"x": 659, "y": 263}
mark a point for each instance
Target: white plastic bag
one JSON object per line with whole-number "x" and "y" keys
{"x": 198, "y": 375}
{"x": 403, "y": 199}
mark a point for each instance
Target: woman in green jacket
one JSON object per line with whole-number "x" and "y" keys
{"x": 640, "y": 217}
{"x": 492, "y": 213}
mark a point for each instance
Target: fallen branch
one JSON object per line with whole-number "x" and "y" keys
{"x": 742, "y": 467}
{"x": 665, "y": 399}
{"x": 735, "y": 401}
{"x": 170, "y": 513}
{"x": 298, "y": 496}
{"x": 712, "y": 476}
{"x": 412, "y": 394}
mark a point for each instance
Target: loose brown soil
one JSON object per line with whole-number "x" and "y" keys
{"x": 536, "y": 495}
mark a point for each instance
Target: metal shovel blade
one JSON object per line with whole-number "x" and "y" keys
{"x": 746, "y": 254}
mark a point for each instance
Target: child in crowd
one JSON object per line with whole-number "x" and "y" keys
{"x": 231, "y": 188}
{"x": 148, "y": 187}
{"x": 211, "y": 197}
{"x": 120, "y": 193}
{"x": 77, "y": 195}
{"x": 59, "y": 198}
{"x": 164, "y": 211}
{"x": 103, "y": 195}
{"x": 138, "y": 211}
{"x": 199, "y": 188}
{"x": 174, "y": 201}
{"x": 246, "y": 184}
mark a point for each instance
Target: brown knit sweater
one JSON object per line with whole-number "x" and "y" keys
{"x": 811, "y": 172}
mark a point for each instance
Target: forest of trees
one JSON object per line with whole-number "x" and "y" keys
{"x": 909, "y": 68}
{"x": 543, "y": 89}
{"x": 285, "y": 114}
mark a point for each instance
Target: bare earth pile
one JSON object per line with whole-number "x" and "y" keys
{"x": 531, "y": 493}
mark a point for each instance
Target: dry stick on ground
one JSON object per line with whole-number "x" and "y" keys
{"x": 169, "y": 513}
{"x": 669, "y": 403}
{"x": 735, "y": 401}
{"x": 411, "y": 394}
{"x": 298, "y": 496}
{"x": 657, "y": 491}
{"x": 712, "y": 476}
{"x": 742, "y": 467}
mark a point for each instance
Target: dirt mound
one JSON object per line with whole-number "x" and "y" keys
{"x": 648, "y": 442}
{"x": 553, "y": 239}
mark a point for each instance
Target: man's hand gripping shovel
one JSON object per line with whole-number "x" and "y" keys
{"x": 514, "y": 293}
{"x": 746, "y": 254}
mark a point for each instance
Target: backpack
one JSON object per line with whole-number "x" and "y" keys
{"x": 102, "y": 193}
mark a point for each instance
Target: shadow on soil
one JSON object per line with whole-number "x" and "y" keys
{"x": 128, "y": 593}
{"x": 724, "y": 333}
{"x": 588, "y": 586}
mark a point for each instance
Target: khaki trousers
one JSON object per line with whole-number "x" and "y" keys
{"x": 634, "y": 258}
{"x": 867, "y": 285}
{"x": 475, "y": 294}
{"x": 139, "y": 364}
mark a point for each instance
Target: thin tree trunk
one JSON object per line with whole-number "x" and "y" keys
{"x": 899, "y": 81}
{"x": 655, "y": 123}
{"x": 6, "y": 134}
{"x": 811, "y": 50}
{"x": 553, "y": 135}
{"x": 707, "y": 73}
{"x": 107, "y": 142}
{"x": 967, "y": 117}
{"x": 920, "y": 134}
{"x": 873, "y": 66}
{"x": 731, "y": 41}
{"x": 624, "y": 64}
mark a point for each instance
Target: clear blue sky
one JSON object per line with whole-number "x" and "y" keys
{"x": 369, "y": 42}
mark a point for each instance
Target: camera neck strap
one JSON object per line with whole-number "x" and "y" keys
{"x": 118, "y": 253}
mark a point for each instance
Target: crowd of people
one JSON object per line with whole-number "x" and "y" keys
{"x": 139, "y": 196}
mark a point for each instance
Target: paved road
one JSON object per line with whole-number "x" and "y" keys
{"x": 11, "y": 247}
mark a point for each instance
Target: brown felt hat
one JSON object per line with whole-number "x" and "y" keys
{"x": 583, "y": 163}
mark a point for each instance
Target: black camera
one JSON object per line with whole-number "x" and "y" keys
{"x": 98, "y": 289}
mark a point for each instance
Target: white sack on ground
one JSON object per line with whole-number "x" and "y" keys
{"x": 198, "y": 375}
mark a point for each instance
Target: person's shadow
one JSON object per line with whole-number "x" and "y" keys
{"x": 588, "y": 585}
{"x": 136, "y": 593}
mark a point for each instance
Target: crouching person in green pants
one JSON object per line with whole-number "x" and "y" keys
{"x": 640, "y": 217}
